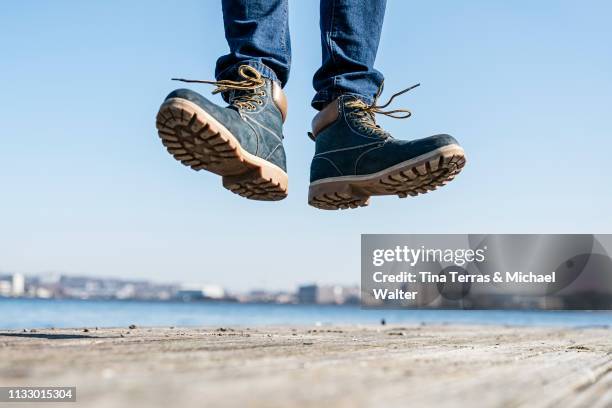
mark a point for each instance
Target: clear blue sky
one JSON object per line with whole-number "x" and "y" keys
{"x": 88, "y": 189}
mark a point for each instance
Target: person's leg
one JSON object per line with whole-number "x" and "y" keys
{"x": 355, "y": 158}
{"x": 257, "y": 32}
{"x": 350, "y": 33}
{"x": 242, "y": 142}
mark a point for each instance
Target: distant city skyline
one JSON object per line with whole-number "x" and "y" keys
{"x": 59, "y": 286}
{"x": 87, "y": 188}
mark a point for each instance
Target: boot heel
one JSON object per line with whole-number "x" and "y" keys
{"x": 336, "y": 195}
{"x": 261, "y": 183}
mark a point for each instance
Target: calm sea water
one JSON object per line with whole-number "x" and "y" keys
{"x": 30, "y": 313}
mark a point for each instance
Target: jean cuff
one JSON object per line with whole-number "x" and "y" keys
{"x": 324, "y": 98}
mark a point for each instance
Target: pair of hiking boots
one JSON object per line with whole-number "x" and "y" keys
{"x": 354, "y": 157}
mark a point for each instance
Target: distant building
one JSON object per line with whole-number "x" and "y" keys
{"x": 307, "y": 294}
{"x": 328, "y": 294}
{"x": 12, "y": 285}
{"x": 213, "y": 291}
{"x": 18, "y": 285}
{"x": 43, "y": 293}
{"x": 203, "y": 292}
{"x": 127, "y": 291}
{"x": 5, "y": 287}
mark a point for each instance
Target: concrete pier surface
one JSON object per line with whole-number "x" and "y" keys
{"x": 441, "y": 366}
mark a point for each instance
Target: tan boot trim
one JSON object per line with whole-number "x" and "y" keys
{"x": 280, "y": 100}
{"x": 325, "y": 117}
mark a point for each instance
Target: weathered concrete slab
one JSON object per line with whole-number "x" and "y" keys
{"x": 345, "y": 366}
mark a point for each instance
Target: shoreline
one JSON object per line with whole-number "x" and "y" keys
{"x": 26, "y": 314}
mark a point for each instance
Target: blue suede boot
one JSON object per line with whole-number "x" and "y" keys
{"x": 242, "y": 142}
{"x": 355, "y": 158}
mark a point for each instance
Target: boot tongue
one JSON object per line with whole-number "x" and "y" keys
{"x": 231, "y": 96}
{"x": 242, "y": 98}
{"x": 364, "y": 119}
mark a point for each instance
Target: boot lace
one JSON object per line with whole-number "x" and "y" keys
{"x": 244, "y": 94}
{"x": 363, "y": 113}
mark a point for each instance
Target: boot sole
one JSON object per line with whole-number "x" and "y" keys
{"x": 198, "y": 140}
{"x": 410, "y": 178}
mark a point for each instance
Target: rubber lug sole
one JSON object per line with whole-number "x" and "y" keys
{"x": 410, "y": 178}
{"x": 199, "y": 141}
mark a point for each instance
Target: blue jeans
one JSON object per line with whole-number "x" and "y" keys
{"x": 257, "y": 32}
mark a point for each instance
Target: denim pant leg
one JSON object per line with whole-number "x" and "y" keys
{"x": 257, "y": 32}
{"x": 350, "y": 33}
